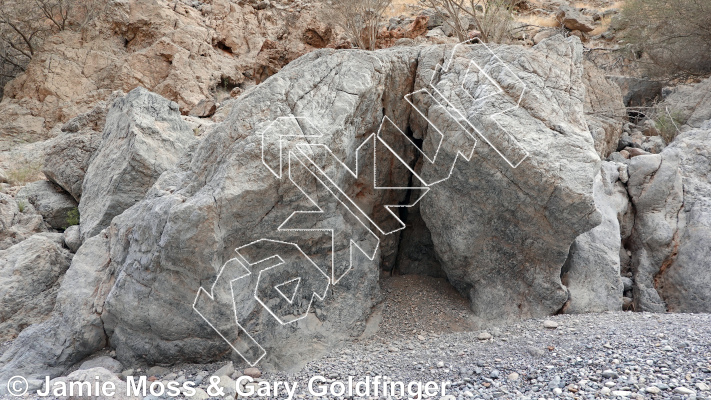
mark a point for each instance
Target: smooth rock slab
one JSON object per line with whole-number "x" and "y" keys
{"x": 502, "y": 234}
{"x": 592, "y": 271}
{"x": 143, "y": 136}
{"x": 685, "y": 278}
{"x": 655, "y": 188}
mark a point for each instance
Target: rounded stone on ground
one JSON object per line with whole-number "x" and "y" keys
{"x": 227, "y": 370}
{"x": 684, "y": 391}
{"x": 652, "y": 390}
{"x": 104, "y": 362}
{"x": 548, "y": 324}
{"x": 610, "y": 374}
{"x": 484, "y": 336}
{"x": 200, "y": 395}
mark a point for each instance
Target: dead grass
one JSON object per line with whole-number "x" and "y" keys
{"x": 401, "y": 7}
{"x": 23, "y": 172}
{"x": 537, "y": 20}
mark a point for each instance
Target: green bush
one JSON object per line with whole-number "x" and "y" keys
{"x": 72, "y": 217}
{"x": 21, "y": 205}
{"x": 671, "y": 37}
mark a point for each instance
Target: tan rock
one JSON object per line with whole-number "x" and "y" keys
{"x": 173, "y": 49}
{"x": 574, "y": 20}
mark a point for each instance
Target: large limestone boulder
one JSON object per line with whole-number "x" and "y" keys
{"x": 30, "y": 274}
{"x": 143, "y": 136}
{"x": 225, "y": 197}
{"x": 67, "y": 160}
{"x": 55, "y": 205}
{"x": 67, "y": 155}
{"x": 655, "y": 188}
{"x": 74, "y": 329}
{"x": 592, "y": 272}
{"x": 105, "y": 362}
{"x": 503, "y": 233}
{"x": 685, "y": 282}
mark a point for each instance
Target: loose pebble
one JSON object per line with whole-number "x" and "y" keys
{"x": 548, "y": 324}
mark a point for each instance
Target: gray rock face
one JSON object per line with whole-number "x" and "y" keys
{"x": 690, "y": 103}
{"x": 592, "y": 271}
{"x": 68, "y": 155}
{"x": 30, "y": 274}
{"x": 143, "y": 136}
{"x": 685, "y": 282}
{"x": 18, "y": 221}
{"x": 503, "y": 234}
{"x": 67, "y": 160}
{"x": 74, "y": 329}
{"x": 53, "y": 203}
{"x": 655, "y": 188}
{"x": 605, "y": 112}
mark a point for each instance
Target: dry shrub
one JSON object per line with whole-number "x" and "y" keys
{"x": 25, "y": 24}
{"x": 492, "y": 18}
{"x": 360, "y": 19}
{"x": 673, "y": 37}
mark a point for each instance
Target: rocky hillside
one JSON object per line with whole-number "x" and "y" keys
{"x": 215, "y": 187}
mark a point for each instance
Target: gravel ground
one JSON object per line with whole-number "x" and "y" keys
{"x": 426, "y": 335}
{"x": 613, "y": 355}
{"x": 422, "y": 305}
{"x": 633, "y": 355}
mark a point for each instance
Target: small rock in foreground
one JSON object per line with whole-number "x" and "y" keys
{"x": 548, "y": 324}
